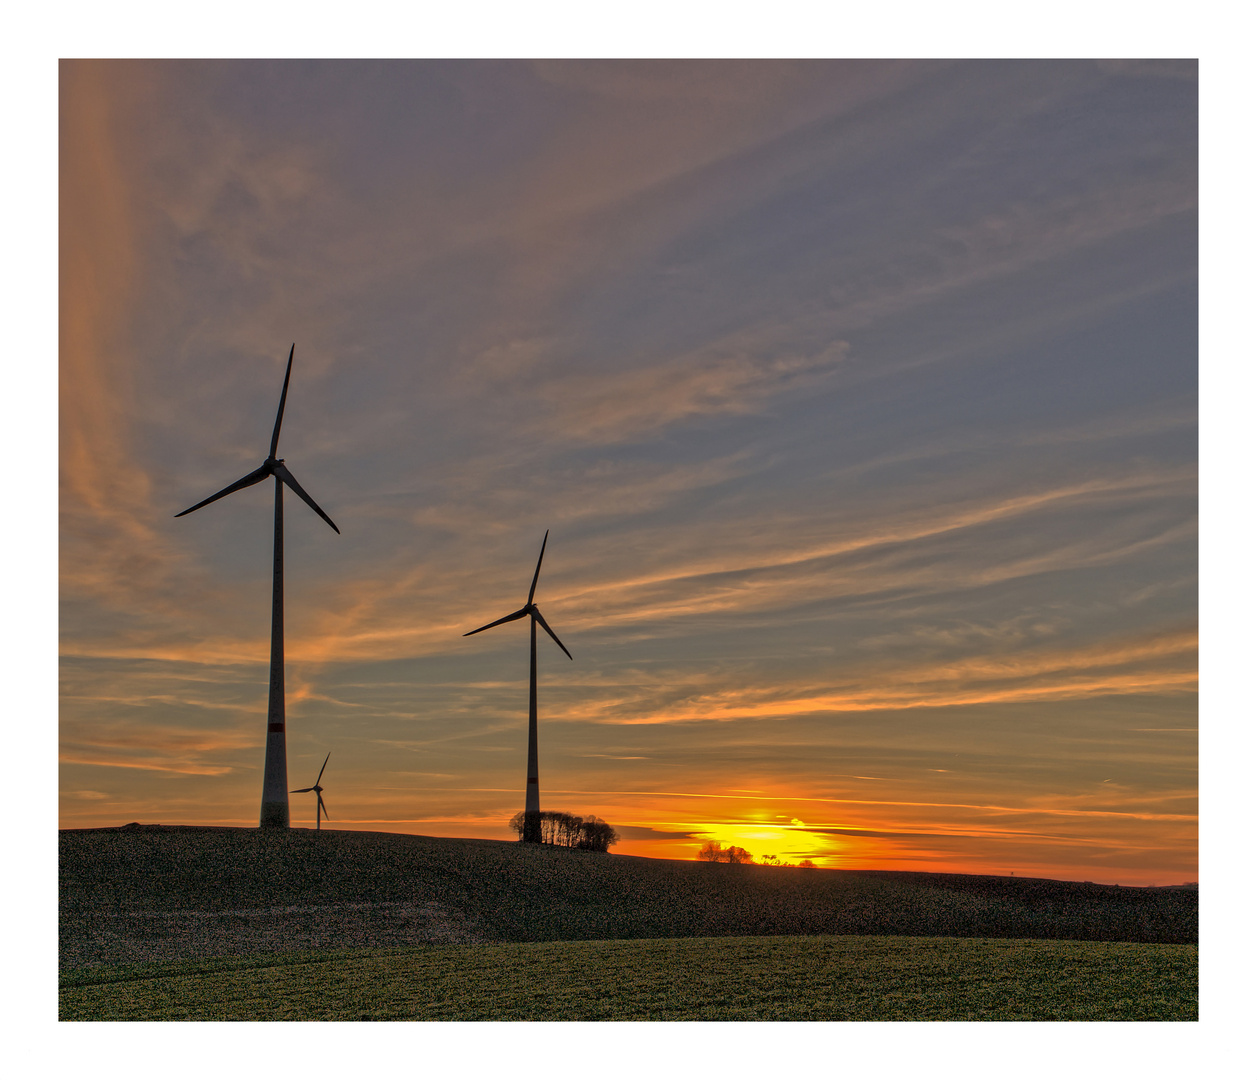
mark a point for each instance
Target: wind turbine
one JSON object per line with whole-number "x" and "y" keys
{"x": 320, "y": 808}
{"x": 275, "y": 774}
{"x": 532, "y": 791}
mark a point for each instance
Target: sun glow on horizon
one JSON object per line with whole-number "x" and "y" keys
{"x": 789, "y": 842}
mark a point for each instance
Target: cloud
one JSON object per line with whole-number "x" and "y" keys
{"x": 70, "y": 757}
{"x": 1159, "y": 69}
{"x": 636, "y": 126}
{"x": 609, "y": 408}
{"x": 643, "y": 832}
{"x": 487, "y": 495}
{"x": 108, "y": 549}
{"x": 1060, "y": 809}
{"x": 743, "y": 705}
{"x": 737, "y": 84}
{"x": 1154, "y": 664}
{"x": 782, "y": 564}
{"x": 979, "y": 257}
{"x": 120, "y": 735}
{"x": 774, "y": 565}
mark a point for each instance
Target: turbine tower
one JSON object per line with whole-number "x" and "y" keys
{"x": 319, "y": 808}
{"x": 275, "y": 775}
{"x": 532, "y": 790}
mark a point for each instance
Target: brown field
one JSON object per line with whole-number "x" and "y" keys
{"x": 177, "y": 893}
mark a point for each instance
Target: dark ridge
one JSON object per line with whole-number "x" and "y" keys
{"x": 153, "y": 892}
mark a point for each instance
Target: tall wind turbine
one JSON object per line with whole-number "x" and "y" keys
{"x": 275, "y": 774}
{"x": 319, "y": 808}
{"x": 532, "y": 791}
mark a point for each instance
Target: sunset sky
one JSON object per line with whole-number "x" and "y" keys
{"x": 859, "y": 400}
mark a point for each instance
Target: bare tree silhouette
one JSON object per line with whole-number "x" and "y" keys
{"x": 713, "y": 852}
{"x": 567, "y": 830}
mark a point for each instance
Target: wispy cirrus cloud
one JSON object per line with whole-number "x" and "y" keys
{"x": 646, "y": 399}
{"x": 152, "y": 748}
{"x": 757, "y": 569}
{"x": 958, "y": 258}
{"x": 108, "y": 548}
{"x": 739, "y": 572}
{"x": 1150, "y": 664}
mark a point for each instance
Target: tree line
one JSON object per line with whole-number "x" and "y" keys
{"x": 561, "y": 829}
{"x": 713, "y": 852}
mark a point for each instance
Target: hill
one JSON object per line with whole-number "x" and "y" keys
{"x": 153, "y": 892}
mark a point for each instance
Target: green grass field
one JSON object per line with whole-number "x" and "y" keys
{"x": 730, "y": 978}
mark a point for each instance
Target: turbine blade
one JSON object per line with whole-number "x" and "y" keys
{"x": 324, "y": 806}
{"x": 329, "y": 754}
{"x": 283, "y": 396}
{"x": 537, "y": 573}
{"x": 545, "y": 626}
{"x": 282, "y": 472}
{"x": 506, "y": 618}
{"x": 300, "y": 790}
{"x": 255, "y": 477}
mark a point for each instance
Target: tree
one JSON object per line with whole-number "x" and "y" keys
{"x": 807, "y": 864}
{"x": 596, "y": 835}
{"x": 709, "y": 852}
{"x": 549, "y": 826}
{"x": 713, "y": 852}
{"x": 569, "y": 830}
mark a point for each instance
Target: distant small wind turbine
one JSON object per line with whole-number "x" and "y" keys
{"x": 320, "y": 809}
{"x": 532, "y": 790}
{"x": 275, "y": 774}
